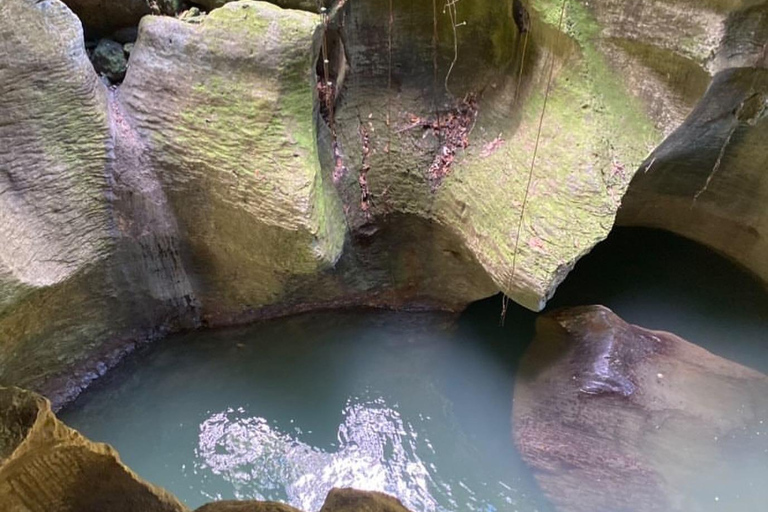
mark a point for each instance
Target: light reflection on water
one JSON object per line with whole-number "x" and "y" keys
{"x": 412, "y": 405}
{"x": 376, "y": 451}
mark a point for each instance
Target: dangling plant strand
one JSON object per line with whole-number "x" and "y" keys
{"x": 533, "y": 159}
{"x": 328, "y": 85}
{"x": 389, "y": 75}
{"x": 450, "y": 8}
{"x": 435, "y": 42}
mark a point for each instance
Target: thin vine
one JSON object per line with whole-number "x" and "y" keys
{"x": 533, "y": 159}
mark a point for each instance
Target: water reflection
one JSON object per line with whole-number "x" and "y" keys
{"x": 376, "y": 451}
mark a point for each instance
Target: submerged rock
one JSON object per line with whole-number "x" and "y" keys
{"x": 338, "y": 500}
{"x": 109, "y": 59}
{"x": 613, "y": 417}
{"x": 47, "y": 467}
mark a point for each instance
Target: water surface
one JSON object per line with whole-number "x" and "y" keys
{"x": 416, "y": 405}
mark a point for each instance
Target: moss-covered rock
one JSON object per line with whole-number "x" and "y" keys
{"x": 90, "y": 264}
{"x": 611, "y": 416}
{"x": 226, "y": 109}
{"x": 304, "y": 5}
{"x": 47, "y": 467}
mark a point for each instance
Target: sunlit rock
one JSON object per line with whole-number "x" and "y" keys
{"x": 246, "y": 506}
{"x": 611, "y": 416}
{"x": 352, "y": 500}
{"x": 47, "y": 467}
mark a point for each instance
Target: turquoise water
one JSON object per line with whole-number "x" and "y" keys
{"x": 414, "y": 404}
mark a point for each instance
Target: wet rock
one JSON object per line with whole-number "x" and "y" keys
{"x": 611, "y": 416}
{"x": 109, "y": 59}
{"x": 47, "y": 467}
{"x": 352, "y": 500}
{"x": 246, "y": 506}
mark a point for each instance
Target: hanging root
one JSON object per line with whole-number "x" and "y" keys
{"x": 450, "y": 8}
{"x": 505, "y": 300}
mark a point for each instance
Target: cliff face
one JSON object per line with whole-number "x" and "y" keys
{"x": 438, "y": 156}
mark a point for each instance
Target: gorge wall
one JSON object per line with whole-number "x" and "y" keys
{"x": 442, "y": 154}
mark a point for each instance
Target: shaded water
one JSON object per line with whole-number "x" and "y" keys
{"x": 415, "y": 405}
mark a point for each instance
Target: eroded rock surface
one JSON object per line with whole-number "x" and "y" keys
{"x": 611, "y": 416}
{"x": 47, "y": 467}
{"x": 707, "y": 181}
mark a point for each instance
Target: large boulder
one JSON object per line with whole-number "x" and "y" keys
{"x": 225, "y": 108}
{"x": 102, "y": 17}
{"x": 611, "y": 416}
{"x": 47, "y": 467}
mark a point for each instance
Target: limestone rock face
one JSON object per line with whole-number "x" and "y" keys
{"x": 707, "y": 181}
{"x": 90, "y": 262}
{"x": 611, "y": 416}
{"x": 225, "y": 107}
{"x": 47, "y": 467}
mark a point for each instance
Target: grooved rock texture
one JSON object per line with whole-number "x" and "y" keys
{"x": 225, "y": 107}
{"x": 47, "y": 467}
{"x": 611, "y": 416}
{"x": 90, "y": 260}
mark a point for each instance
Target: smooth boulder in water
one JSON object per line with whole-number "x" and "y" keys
{"x": 614, "y": 417}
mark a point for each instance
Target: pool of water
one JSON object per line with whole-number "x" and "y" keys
{"x": 414, "y": 404}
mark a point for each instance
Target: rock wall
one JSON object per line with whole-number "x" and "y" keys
{"x": 438, "y": 157}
